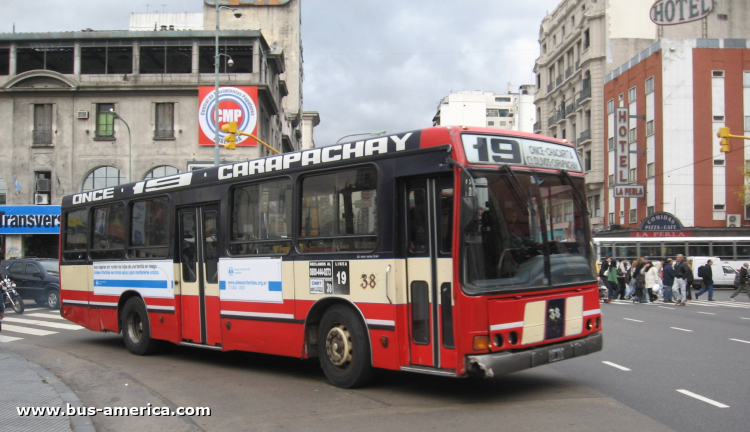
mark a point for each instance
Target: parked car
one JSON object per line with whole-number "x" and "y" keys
{"x": 35, "y": 278}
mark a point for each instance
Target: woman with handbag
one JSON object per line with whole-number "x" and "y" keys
{"x": 653, "y": 282}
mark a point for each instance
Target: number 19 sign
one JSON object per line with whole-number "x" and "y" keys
{"x": 623, "y": 188}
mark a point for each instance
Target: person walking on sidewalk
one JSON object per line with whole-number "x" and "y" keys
{"x": 612, "y": 280}
{"x": 622, "y": 270}
{"x": 679, "y": 288}
{"x": 743, "y": 283}
{"x": 707, "y": 274}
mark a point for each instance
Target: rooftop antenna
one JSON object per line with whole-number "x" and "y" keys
{"x": 146, "y": 7}
{"x": 14, "y": 27}
{"x": 163, "y": 6}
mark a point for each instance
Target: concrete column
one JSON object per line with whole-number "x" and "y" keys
{"x": 77, "y": 60}
{"x": 12, "y": 68}
{"x": 196, "y": 58}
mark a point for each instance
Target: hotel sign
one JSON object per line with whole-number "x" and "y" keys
{"x": 669, "y": 12}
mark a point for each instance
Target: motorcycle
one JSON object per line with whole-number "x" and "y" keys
{"x": 10, "y": 296}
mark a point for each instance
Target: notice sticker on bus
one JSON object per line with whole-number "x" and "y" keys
{"x": 329, "y": 277}
{"x": 149, "y": 278}
{"x": 250, "y": 279}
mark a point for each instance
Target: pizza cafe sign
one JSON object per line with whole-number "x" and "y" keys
{"x": 668, "y": 12}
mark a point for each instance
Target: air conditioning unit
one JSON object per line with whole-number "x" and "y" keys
{"x": 734, "y": 221}
{"x": 42, "y": 185}
{"x": 83, "y": 114}
{"x": 41, "y": 199}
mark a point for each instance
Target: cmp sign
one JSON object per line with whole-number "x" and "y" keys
{"x": 669, "y": 12}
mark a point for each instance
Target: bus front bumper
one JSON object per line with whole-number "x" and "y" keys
{"x": 489, "y": 365}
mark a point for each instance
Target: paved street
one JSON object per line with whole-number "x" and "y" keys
{"x": 662, "y": 368}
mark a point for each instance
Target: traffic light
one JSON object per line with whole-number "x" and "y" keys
{"x": 231, "y": 138}
{"x": 724, "y": 135}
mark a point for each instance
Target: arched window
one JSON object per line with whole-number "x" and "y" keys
{"x": 103, "y": 177}
{"x": 161, "y": 171}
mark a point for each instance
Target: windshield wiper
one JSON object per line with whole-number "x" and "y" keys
{"x": 577, "y": 196}
{"x": 521, "y": 199}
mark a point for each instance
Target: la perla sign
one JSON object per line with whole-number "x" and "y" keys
{"x": 668, "y": 12}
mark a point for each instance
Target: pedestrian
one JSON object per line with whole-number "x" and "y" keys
{"x": 743, "y": 283}
{"x": 679, "y": 288}
{"x": 640, "y": 280}
{"x": 653, "y": 281}
{"x": 604, "y": 268}
{"x": 707, "y": 274}
{"x": 631, "y": 279}
{"x": 2, "y": 313}
{"x": 612, "y": 280}
{"x": 668, "y": 280}
{"x": 690, "y": 280}
{"x": 622, "y": 270}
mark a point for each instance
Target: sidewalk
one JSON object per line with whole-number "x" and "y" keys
{"x": 26, "y": 384}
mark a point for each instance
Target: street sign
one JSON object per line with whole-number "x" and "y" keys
{"x": 630, "y": 191}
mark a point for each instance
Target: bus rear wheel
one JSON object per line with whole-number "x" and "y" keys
{"x": 136, "y": 330}
{"x": 343, "y": 348}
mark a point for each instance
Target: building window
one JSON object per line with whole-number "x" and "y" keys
{"x": 4, "y": 61}
{"x": 718, "y": 118}
{"x": 544, "y": 48}
{"x": 632, "y": 135}
{"x": 631, "y": 95}
{"x": 650, "y": 210}
{"x": 611, "y": 180}
{"x": 241, "y": 55}
{"x": 502, "y": 99}
{"x": 651, "y": 170}
{"x": 747, "y": 212}
{"x": 717, "y": 73}
{"x": 505, "y": 113}
{"x": 493, "y": 113}
{"x": 563, "y": 31}
{"x": 490, "y": 123}
{"x": 3, "y": 191}
{"x": 621, "y": 97}
{"x": 594, "y": 206}
{"x": 586, "y": 39}
{"x": 42, "y": 124}
{"x": 633, "y": 175}
{"x": 107, "y": 60}
{"x": 610, "y": 106}
{"x": 649, "y": 128}
{"x": 165, "y": 59}
{"x": 164, "y": 121}
{"x": 39, "y": 56}
{"x": 650, "y": 85}
{"x": 105, "y": 120}
{"x": 719, "y": 162}
{"x": 161, "y": 171}
{"x": 747, "y": 123}
{"x": 746, "y": 78}
{"x": 587, "y": 161}
{"x": 103, "y": 177}
{"x": 633, "y": 215}
{"x": 719, "y": 207}
{"x": 611, "y": 143}
{"x": 611, "y": 219}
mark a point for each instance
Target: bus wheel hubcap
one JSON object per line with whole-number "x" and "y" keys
{"x": 136, "y": 328}
{"x": 339, "y": 345}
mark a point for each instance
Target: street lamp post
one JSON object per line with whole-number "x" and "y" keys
{"x": 130, "y": 146}
{"x": 216, "y": 77}
{"x": 363, "y": 133}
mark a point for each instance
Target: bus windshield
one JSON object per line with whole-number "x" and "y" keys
{"x": 530, "y": 232}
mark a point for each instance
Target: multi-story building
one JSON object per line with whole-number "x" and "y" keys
{"x": 580, "y": 41}
{"x": 91, "y": 109}
{"x": 514, "y": 111}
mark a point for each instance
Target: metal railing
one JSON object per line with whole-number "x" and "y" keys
{"x": 568, "y": 72}
{"x": 42, "y": 137}
{"x": 585, "y": 136}
{"x": 538, "y": 126}
{"x": 585, "y": 95}
{"x": 559, "y": 80}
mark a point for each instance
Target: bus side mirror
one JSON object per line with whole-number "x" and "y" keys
{"x": 469, "y": 212}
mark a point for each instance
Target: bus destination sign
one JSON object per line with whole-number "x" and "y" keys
{"x": 491, "y": 149}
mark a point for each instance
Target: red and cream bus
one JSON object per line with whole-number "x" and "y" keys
{"x": 452, "y": 251}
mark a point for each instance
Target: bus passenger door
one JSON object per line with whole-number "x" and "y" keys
{"x": 199, "y": 265}
{"x": 429, "y": 268}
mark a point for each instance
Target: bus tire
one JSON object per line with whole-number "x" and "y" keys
{"x": 135, "y": 328}
{"x": 343, "y": 348}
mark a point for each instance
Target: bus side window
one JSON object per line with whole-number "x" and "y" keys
{"x": 417, "y": 221}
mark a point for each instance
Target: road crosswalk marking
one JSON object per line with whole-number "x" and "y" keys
{"x": 53, "y": 315}
{"x": 43, "y": 323}
{"x": 5, "y": 338}
{"x": 25, "y": 330}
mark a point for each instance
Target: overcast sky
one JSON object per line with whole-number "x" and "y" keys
{"x": 368, "y": 64}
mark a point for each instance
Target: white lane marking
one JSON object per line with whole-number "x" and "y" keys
{"x": 614, "y": 365}
{"x": 4, "y": 338}
{"x": 44, "y": 323}
{"x": 744, "y": 318}
{"x": 24, "y": 330}
{"x": 44, "y": 315}
{"x": 706, "y": 313}
{"x": 704, "y": 399}
{"x": 681, "y": 329}
{"x": 664, "y": 307}
{"x": 739, "y": 340}
{"x": 631, "y": 319}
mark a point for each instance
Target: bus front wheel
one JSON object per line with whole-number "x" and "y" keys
{"x": 136, "y": 330}
{"x": 343, "y": 348}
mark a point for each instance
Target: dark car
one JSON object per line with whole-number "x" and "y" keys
{"x": 35, "y": 278}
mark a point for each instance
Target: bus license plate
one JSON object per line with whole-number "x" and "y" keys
{"x": 556, "y": 354}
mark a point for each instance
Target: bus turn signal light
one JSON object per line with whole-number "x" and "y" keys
{"x": 481, "y": 343}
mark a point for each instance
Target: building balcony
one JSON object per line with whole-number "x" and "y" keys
{"x": 578, "y": 65}
{"x": 568, "y": 72}
{"x": 560, "y": 115}
{"x": 42, "y": 137}
{"x": 570, "y": 109}
{"x": 585, "y": 95}
{"x": 551, "y": 121}
{"x": 558, "y": 80}
{"x": 538, "y": 127}
{"x": 550, "y": 86}
{"x": 584, "y": 137}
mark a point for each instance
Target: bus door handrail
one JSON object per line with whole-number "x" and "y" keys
{"x": 387, "y": 285}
